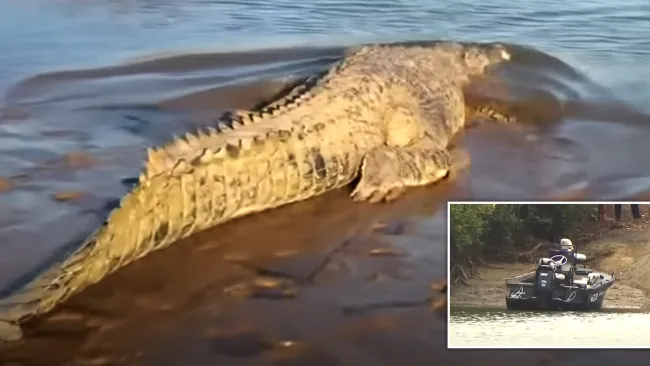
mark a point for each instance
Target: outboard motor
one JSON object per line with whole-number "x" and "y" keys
{"x": 545, "y": 281}
{"x": 545, "y": 275}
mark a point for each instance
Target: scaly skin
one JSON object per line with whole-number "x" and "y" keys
{"x": 384, "y": 114}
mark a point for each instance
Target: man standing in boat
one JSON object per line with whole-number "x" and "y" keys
{"x": 566, "y": 249}
{"x": 566, "y": 258}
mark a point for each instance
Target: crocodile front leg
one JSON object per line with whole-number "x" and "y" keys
{"x": 388, "y": 171}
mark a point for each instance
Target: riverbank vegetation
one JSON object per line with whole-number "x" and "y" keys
{"x": 505, "y": 232}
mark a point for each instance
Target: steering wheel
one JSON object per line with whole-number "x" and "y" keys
{"x": 559, "y": 259}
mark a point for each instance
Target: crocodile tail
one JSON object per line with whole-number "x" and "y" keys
{"x": 150, "y": 217}
{"x": 157, "y": 212}
{"x": 186, "y": 199}
{"x": 42, "y": 293}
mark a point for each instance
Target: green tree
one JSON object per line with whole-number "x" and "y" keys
{"x": 467, "y": 223}
{"x": 490, "y": 230}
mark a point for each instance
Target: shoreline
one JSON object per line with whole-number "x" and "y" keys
{"x": 624, "y": 252}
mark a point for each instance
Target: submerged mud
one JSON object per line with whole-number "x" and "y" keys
{"x": 309, "y": 283}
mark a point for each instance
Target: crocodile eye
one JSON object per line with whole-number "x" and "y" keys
{"x": 505, "y": 54}
{"x": 502, "y": 52}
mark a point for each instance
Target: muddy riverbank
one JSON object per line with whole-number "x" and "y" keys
{"x": 323, "y": 282}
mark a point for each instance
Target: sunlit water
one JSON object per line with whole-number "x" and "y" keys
{"x": 487, "y": 328}
{"x": 607, "y": 40}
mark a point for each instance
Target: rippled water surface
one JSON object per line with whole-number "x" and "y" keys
{"x": 604, "y": 39}
{"x": 88, "y": 85}
{"x": 502, "y": 329}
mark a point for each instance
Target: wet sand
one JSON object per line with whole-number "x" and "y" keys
{"x": 324, "y": 282}
{"x": 623, "y": 251}
{"x": 303, "y": 274}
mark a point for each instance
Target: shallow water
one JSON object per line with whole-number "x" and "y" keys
{"x": 497, "y": 328}
{"x": 88, "y": 85}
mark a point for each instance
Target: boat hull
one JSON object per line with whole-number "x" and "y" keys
{"x": 523, "y": 294}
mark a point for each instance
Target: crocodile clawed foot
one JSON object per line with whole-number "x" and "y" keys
{"x": 380, "y": 178}
{"x": 387, "y": 172}
{"x": 9, "y": 331}
{"x": 376, "y": 193}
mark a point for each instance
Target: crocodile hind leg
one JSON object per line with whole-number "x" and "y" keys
{"x": 414, "y": 153}
{"x": 387, "y": 171}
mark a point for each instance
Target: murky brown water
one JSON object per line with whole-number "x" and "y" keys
{"x": 68, "y": 138}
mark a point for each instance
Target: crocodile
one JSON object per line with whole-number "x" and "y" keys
{"x": 382, "y": 116}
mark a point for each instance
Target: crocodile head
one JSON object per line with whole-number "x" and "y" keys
{"x": 477, "y": 57}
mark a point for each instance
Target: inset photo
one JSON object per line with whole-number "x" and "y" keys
{"x": 549, "y": 275}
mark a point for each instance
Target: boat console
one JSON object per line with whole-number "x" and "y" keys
{"x": 558, "y": 283}
{"x": 565, "y": 264}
